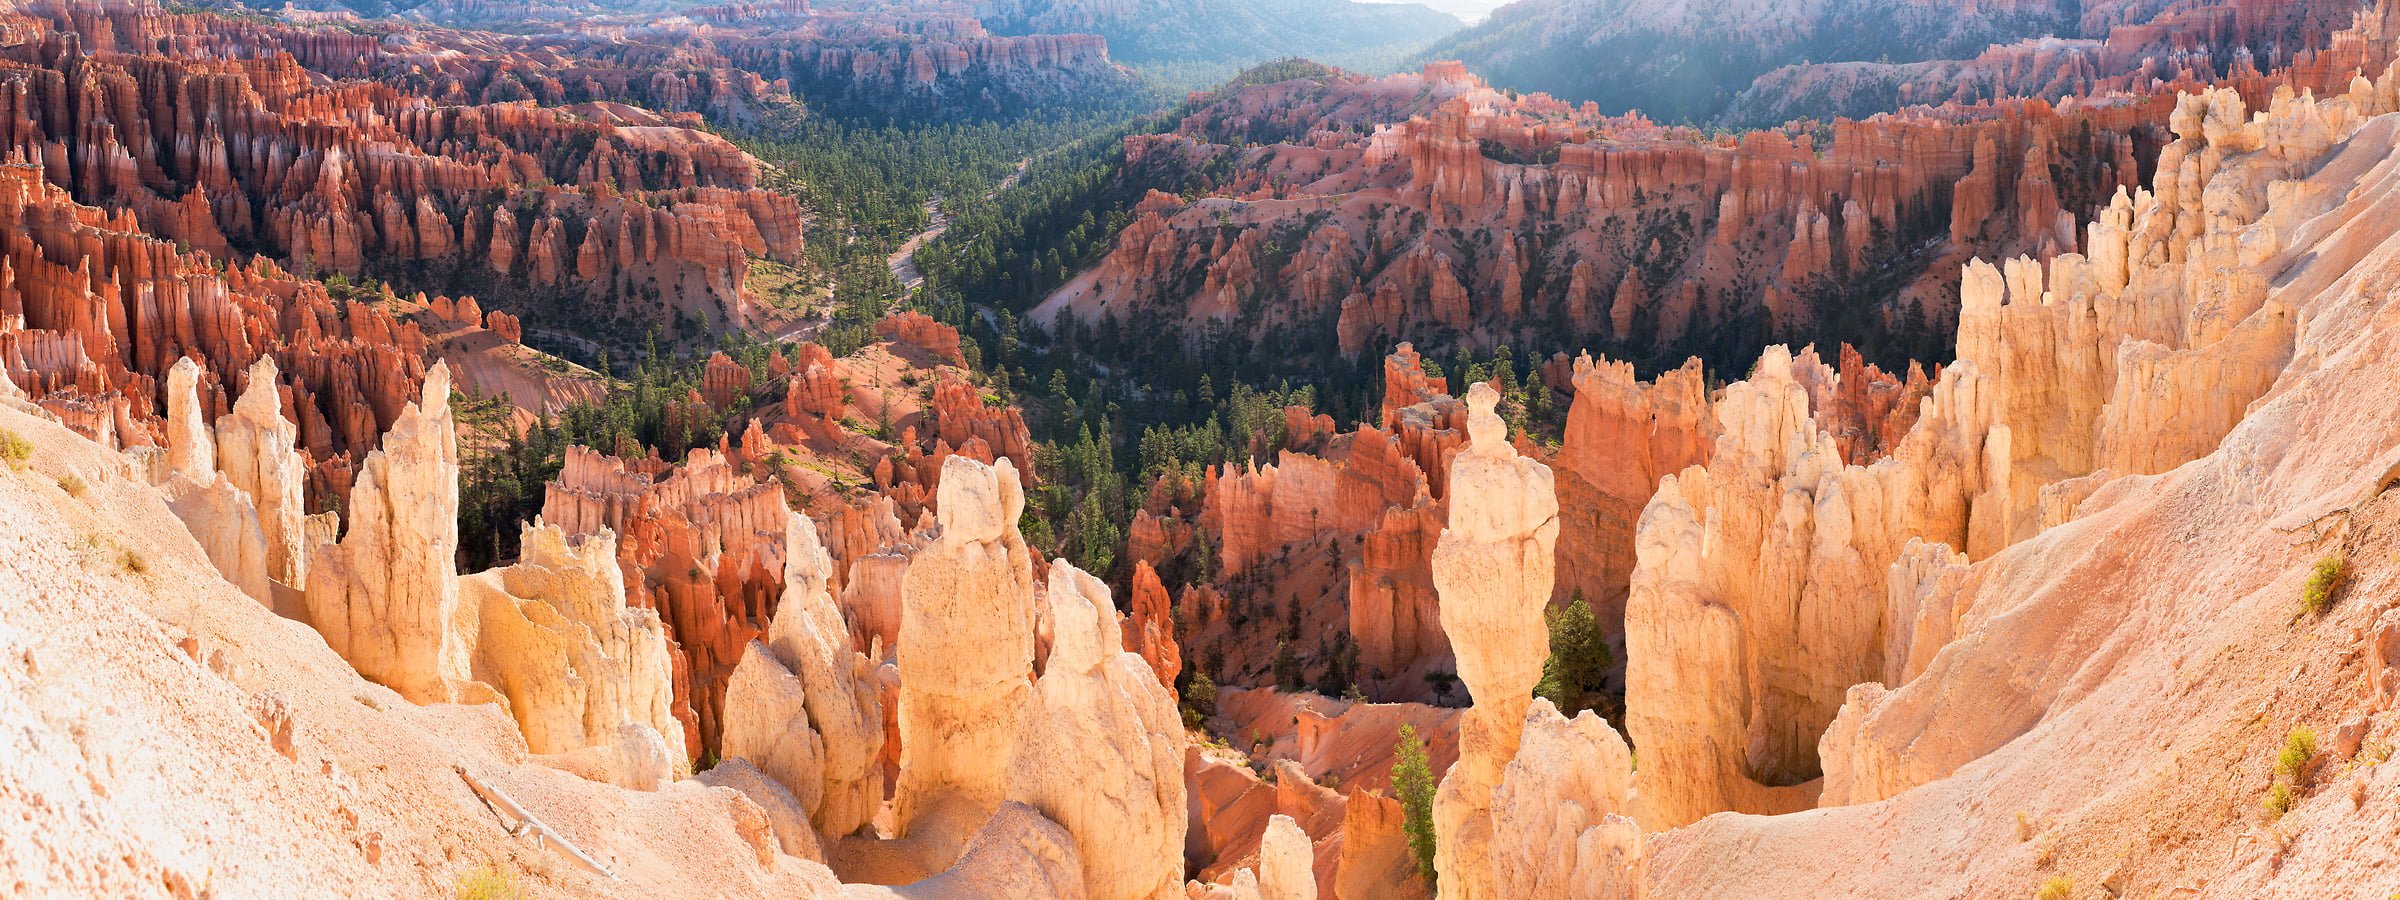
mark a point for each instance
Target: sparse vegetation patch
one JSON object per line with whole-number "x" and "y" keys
{"x": 2322, "y": 583}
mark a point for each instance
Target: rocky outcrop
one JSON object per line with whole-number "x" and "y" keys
{"x": 225, "y": 522}
{"x": 1622, "y": 436}
{"x": 1286, "y": 862}
{"x": 722, "y": 380}
{"x": 190, "y": 452}
{"x": 2163, "y": 605}
{"x": 921, "y": 331}
{"x": 1494, "y": 567}
{"x": 976, "y": 428}
{"x": 966, "y": 650}
{"x": 1149, "y": 627}
{"x": 803, "y": 706}
{"x": 386, "y": 595}
{"x": 1096, "y": 703}
{"x": 2118, "y": 48}
{"x": 701, "y": 543}
{"x": 1582, "y": 229}
{"x": 1559, "y": 823}
{"x": 554, "y": 636}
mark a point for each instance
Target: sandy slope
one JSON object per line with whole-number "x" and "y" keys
{"x": 133, "y": 763}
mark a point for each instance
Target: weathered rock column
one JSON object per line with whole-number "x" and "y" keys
{"x": 385, "y": 596}
{"x": 190, "y": 452}
{"x": 1103, "y": 749}
{"x": 256, "y": 451}
{"x": 802, "y": 706}
{"x": 1560, "y": 829}
{"x": 966, "y": 648}
{"x": 581, "y": 670}
{"x": 1494, "y": 569}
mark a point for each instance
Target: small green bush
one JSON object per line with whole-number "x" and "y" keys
{"x": 2059, "y": 887}
{"x": 1200, "y": 696}
{"x": 490, "y": 882}
{"x": 72, "y": 484}
{"x": 2298, "y": 747}
{"x": 2318, "y": 595}
{"x": 133, "y": 562}
{"x": 2278, "y": 801}
{"x": 14, "y": 450}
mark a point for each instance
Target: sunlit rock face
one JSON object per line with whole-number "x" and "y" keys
{"x": 1494, "y": 568}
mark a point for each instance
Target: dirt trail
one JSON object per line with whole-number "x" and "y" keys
{"x": 903, "y": 262}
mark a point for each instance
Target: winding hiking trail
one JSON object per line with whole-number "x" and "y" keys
{"x": 903, "y": 262}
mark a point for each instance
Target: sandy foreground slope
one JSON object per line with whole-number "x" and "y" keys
{"x": 144, "y": 704}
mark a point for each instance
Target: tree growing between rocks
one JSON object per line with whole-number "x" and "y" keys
{"x": 1579, "y": 657}
{"x": 1412, "y": 780}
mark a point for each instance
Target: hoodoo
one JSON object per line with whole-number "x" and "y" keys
{"x": 880, "y": 450}
{"x": 1493, "y": 567}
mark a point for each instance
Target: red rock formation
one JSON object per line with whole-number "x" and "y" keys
{"x": 2124, "y": 47}
{"x": 1149, "y": 625}
{"x": 1622, "y": 436}
{"x": 723, "y": 380}
{"x": 965, "y": 421}
{"x": 921, "y": 331}
{"x": 1515, "y": 215}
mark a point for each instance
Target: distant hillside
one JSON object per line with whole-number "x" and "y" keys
{"x": 1680, "y": 60}
{"x": 1225, "y": 31}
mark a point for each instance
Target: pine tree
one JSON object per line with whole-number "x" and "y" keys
{"x": 1579, "y": 656}
{"x": 1288, "y": 675}
{"x": 1412, "y": 780}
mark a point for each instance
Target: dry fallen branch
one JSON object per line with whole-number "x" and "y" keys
{"x": 527, "y": 824}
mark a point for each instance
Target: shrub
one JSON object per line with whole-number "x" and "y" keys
{"x": 2279, "y": 800}
{"x": 72, "y": 484}
{"x": 1200, "y": 697}
{"x": 14, "y": 450}
{"x": 132, "y": 562}
{"x": 2322, "y": 583}
{"x": 2298, "y": 747}
{"x": 489, "y": 882}
{"x": 1442, "y": 683}
{"x": 2059, "y": 887}
{"x": 1412, "y": 781}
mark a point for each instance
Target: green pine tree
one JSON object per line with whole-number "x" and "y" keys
{"x": 1412, "y": 780}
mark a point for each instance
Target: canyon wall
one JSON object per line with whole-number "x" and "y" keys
{"x": 1461, "y": 216}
